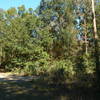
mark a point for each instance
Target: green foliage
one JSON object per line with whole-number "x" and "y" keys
{"x": 85, "y": 64}
{"x": 36, "y": 66}
{"x": 43, "y": 42}
{"x": 89, "y": 64}
{"x": 62, "y": 70}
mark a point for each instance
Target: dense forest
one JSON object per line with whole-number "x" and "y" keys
{"x": 56, "y": 40}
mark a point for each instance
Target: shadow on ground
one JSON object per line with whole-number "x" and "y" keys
{"x": 39, "y": 89}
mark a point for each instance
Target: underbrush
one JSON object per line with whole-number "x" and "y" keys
{"x": 60, "y": 71}
{"x": 56, "y": 71}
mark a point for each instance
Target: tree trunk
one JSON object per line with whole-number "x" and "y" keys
{"x": 96, "y": 45}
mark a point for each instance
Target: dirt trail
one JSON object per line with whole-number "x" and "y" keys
{"x": 4, "y": 75}
{"x": 14, "y": 77}
{"x": 15, "y": 87}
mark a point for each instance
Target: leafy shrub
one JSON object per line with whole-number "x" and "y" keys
{"x": 89, "y": 64}
{"x": 85, "y": 64}
{"x": 61, "y": 70}
{"x": 35, "y": 67}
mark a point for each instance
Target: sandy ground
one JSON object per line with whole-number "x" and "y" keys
{"x": 14, "y": 77}
{"x": 15, "y": 87}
